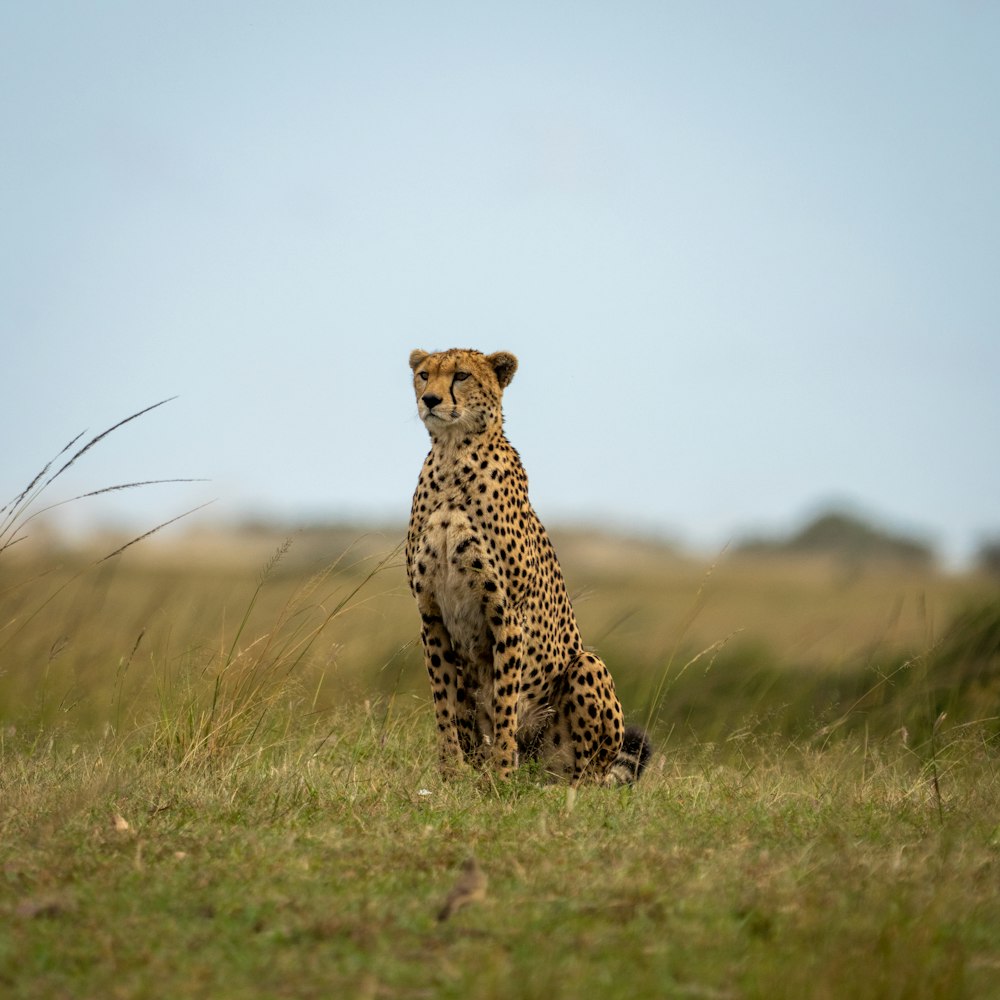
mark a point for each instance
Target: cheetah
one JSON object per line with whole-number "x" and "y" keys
{"x": 509, "y": 674}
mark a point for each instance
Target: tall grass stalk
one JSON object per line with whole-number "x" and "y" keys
{"x": 19, "y": 512}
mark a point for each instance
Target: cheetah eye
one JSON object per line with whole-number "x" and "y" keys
{"x": 422, "y": 375}
{"x": 461, "y": 376}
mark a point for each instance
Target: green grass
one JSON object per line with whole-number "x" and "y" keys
{"x": 755, "y": 868}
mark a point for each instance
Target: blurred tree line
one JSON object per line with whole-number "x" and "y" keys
{"x": 846, "y": 536}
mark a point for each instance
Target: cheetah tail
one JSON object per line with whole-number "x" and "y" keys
{"x": 632, "y": 758}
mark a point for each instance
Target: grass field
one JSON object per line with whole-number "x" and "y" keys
{"x": 217, "y": 780}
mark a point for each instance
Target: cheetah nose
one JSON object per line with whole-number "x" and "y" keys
{"x": 430, "y": 401}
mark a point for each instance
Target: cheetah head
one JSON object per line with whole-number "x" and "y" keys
{"x": 458, "y": 391}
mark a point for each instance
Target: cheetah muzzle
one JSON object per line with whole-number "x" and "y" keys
{"x": 509, "y": 674}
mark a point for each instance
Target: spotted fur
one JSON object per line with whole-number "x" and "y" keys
{"x": 509, "y": 673}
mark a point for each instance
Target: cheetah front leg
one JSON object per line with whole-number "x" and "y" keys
{"x": 442, "y": 668}
{"x": 507, "y": 665}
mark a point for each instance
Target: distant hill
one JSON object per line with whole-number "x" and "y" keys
{"x": 988, "y": 557}
{"x": 847, "y": 536}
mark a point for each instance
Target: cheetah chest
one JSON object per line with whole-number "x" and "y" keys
{"x": 454, "y": 577}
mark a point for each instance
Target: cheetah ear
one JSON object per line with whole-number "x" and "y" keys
{"x": 417, "y": 358}
{"x": 504, "y": 364}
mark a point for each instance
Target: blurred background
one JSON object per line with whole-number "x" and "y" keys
{"x": 746, "y": 254}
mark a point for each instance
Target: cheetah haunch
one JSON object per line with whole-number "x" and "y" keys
{"x": 508, "y": 670}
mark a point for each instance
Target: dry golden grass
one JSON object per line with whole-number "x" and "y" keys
{"x": 803, "y": 609}
{"x": 92, "y": 639}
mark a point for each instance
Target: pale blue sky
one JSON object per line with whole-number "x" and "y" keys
{"x": 747, "y": 254}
